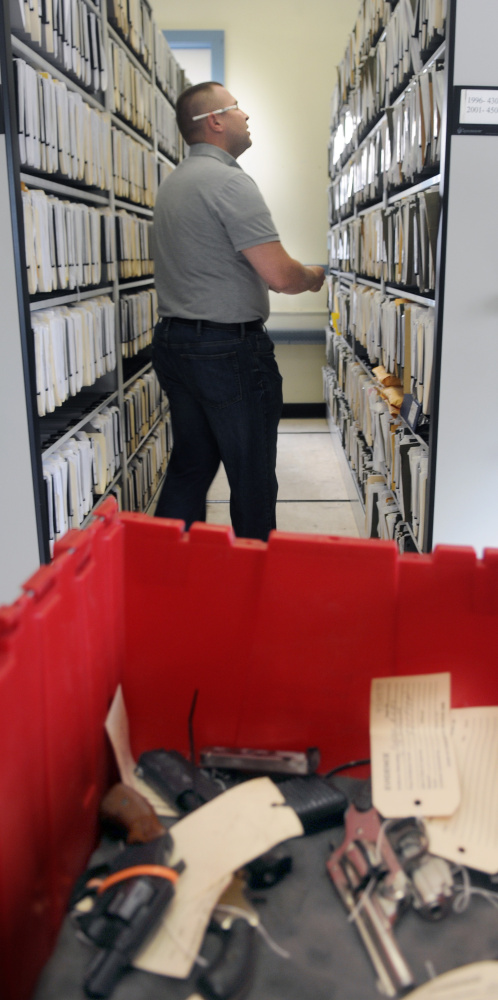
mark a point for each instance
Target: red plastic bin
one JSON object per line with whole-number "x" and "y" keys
{"x": 280, "y": 640}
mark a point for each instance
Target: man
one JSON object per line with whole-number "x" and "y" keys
{"x": 216, "y": 254}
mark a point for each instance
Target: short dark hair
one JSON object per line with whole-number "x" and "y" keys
{"x": 192, "y": 101}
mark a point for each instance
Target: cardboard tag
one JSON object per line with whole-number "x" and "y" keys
{"x": 414, "y": 770}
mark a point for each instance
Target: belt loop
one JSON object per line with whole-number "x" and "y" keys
{"x": 198, "y": 327}
{"x": 242, "y": 330}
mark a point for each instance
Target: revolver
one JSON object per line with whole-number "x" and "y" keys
{"x": 379, "y": 870}
{"x": 131, "y": 891}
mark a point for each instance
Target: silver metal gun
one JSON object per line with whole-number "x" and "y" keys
{"x": 379, "y": 870}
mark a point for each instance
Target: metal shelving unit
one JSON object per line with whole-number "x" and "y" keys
{"x": 48, "y": 433}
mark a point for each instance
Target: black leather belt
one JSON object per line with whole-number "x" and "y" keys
{"x": 254, "y": 324}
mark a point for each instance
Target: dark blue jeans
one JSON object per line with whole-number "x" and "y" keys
{"x": 225, "y": 394}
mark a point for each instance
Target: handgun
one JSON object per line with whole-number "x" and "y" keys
{"x": 377, "y": 879}
{"x": 230, "y": 971}
{"x": 131, "y": 893}
{"x": 174, "y": 777}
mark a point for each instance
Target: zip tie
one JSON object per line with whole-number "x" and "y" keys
{"x": 430, "y": 968}
{"x": 159, "y": 871}
{"x": 259, "y": 927}
{"x": 465, "y": 891}
{"x": 273, "y": 946}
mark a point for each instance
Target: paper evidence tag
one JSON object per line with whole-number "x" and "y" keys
{"x": 414, "y": 770}
{"x": 469, "y": 836}
{"x": 478, "y": 981}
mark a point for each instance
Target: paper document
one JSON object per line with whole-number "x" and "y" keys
{"x": 214, "y": 841}
{"x": 414, "y": 770}
{"x": 117, "y": 729}
{"x": 469, "y": 836}
{"x": 478, "y": 981}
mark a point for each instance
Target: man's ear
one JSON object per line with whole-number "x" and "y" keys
{"x": 214, "y": 124}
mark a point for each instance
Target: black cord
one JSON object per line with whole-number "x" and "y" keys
{"x": 344, "y": 767}
{"x": 191, "y": 727}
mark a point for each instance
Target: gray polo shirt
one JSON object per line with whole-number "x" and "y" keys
{"x": 206, "y": 212}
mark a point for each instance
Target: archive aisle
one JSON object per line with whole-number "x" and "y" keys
{"x": 408, "y": 159}
{"x": 88, "y": 104}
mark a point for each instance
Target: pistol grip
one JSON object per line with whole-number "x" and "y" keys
{"x": 128, "y": 810}
{"x": 230, "y": 972}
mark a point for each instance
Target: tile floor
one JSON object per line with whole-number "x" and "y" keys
{"x": 316, "y": 492}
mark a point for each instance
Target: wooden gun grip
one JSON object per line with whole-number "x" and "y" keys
{"x": 127, "y": 809}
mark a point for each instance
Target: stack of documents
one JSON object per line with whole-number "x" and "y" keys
{"x": 134, "y": 245}
{"x": 117, "y": 13}
{"x": 410, "y": 479}
{"x": 410, "y": 228}
{"x": 70, "y": 32}
{"x": 68, "y": 245}
{"x": 414, "y": 28}
{"x": 397, "y": 244}
{"x": 368, "y": 167}
{"x": 344, "y": 132}
{"x": 404, "y": 147}
{"x": 390, "y": 463}
{"x": 134, "y": 169}
{"x": 412, "y": 141}
{"x": 138, "y": 316}
{"x": 148, "y": 467}
{"x": 142, "y": 404}
{"x": 341, "y": 196}
{"x": 377, "y": 66}
{"x": 403, "y": 52}
{"x": 130, "y": 91}
{"x": 167, "y": 71}
{"x": 339, "y": 303}
{"x": 419, "y": 360}
{"x": 339, "y": 248}
{"x": 372, "y": 86}
{"x": 133, "y": 20}
{"x": 397, "y": 334}
{"x": 166, "y": 128}
{"x": 369, "y": 23}
{"x": 81, "y": 469}
{"x": 382, "y": 513}
{"x": 59, "y": 132}
{"x": 74, "y": 346}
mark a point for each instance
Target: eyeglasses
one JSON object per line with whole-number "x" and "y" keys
{"x": 219, "y": 111}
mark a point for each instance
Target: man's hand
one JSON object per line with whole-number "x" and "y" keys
{"x": 318, "y": 277}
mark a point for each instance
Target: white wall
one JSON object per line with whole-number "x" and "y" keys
{"x": 280, "y": 62}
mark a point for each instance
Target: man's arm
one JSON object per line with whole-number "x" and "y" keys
{"x": 281, "y": 272}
